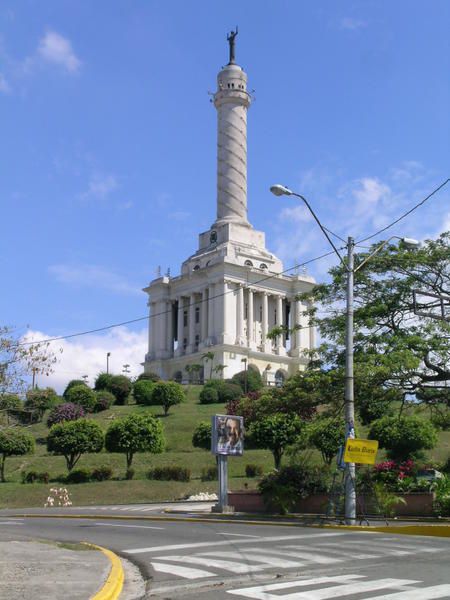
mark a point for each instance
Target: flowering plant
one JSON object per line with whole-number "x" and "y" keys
{"x": 58, "y": 497}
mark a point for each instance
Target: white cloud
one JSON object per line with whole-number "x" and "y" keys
{"x": 101, "y": 186}
{"x": 351, "y": 23}
{"x": 5, "y": 88}
{"x": 368, "y": 192}
{"x": 56, "y": 49}
{"x": 87, "y": 355}
{"x": 296, "y": 214}
{"x": 92, "y": 276}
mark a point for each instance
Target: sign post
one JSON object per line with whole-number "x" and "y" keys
{"x": 227, "y": 439}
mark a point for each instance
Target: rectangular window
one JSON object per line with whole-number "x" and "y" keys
{"x": 184, "y": 343}
{"x": 197, "y": 341}
{"x": 185, "y": 318}
{"x": 197, "y": 314}
{"x": 246, "y": 311}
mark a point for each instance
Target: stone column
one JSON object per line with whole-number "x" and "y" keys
{"x": 211, "y": 306}
{"x": 267, "y": 344}
{"x": 169, "y": 327}
{"x": 221, "y": 312}
{"x": 240, "y": 341}
{"x": 250, "y": 319}
{"x": 280, "y": 346}
{"x": 191, "y": 324}
{"x": 151, "y": 332}
{"x": 204, "y": 317}
{"x": 180, "y": 326}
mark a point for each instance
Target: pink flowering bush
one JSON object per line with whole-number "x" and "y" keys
{"x": 65, "y": 412}
{"x": 400, "y": 476}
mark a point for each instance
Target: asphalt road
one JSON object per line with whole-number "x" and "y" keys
{"x": 224, "y": 560}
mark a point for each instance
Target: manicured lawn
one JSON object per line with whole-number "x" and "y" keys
{"x": 179, "y": 426}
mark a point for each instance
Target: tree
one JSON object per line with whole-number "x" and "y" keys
{"x": 19, "y": 359}
{"x": 10, "y": 402}
{"x": 193, "y": 370}
{"x": 82, "y": 395}
{"x": 41, "y": 400}
{"x": 150, "y": 376}
{"x": 250, "y": 380}
{"x": 65, "y": 412}
{"x": 398, "y": 349}
{"x": 201, "y": 437}
{"x": 326, "y": 435}
{"x": 167, "y": 394}
{"x": 143, "y": 390}
{"x": 275, "y": 433}
{"x": 121, "y": 387}
{"x": 404, "y": 437}
{"x": 13, "y": 442}
{"x": 73, "y": 383}
{"x": 135, "y": 433}
{"x": 209, "y": 356}
{"x": 102, "y": 381}
{"x": 71, "y": 439}
{"x": 219, "y": 369}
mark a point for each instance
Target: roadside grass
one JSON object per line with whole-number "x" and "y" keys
{"x": 179, "y": 426}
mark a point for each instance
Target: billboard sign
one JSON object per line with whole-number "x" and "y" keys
{"x": 363, "y": 452}
{"x": 227, "y": 435}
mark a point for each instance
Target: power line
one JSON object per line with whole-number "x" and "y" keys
{"x": 416, "y": 206}
{"x": 114, "y": 325}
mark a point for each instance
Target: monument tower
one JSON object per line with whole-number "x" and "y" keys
{"x": 232, "y": 291}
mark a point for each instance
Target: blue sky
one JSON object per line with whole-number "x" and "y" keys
{"x": 108, "y": 157}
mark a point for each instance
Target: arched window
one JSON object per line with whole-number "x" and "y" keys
{"x": 279, "y": 378}
{"x": 248, "y": 263}
{"x": 178, "y": 376}
{"x": 263, "y": 266}
{"x": 196, "y": 268}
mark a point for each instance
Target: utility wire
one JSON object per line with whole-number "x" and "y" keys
{"x": 106, "y": 327}
{"x": 406, "y": 213}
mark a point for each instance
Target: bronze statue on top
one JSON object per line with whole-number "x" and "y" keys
{"x": 230, "y": 38}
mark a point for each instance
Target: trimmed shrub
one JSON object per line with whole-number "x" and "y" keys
{"x": 250, "y": 379}
{"x": 202, "y": 436}
{"x": 103, "y": 400}
{"x": 74, "y": 438}
{"x": 33, "y": 476}
{"x": 102, "y": 473}
{"x": 121, "y": 387}
{"x": 143, "y": 391}
{"x": 72, "y": 384}
{"x": 102, "y": 381}
{"x": 229, "y": 392}
{"x": 79, "y": 476}
{"x": 13, "y": 442}
{"x": 253, "y": 470}
{"x": 209, "y": 395}
{"x": 148, "y": 377}
{"x": 167, "y": 394}
{"x": 404, "y": 437}
{"x": 326, "y": 435}
{"x": 65, "y": 412}
{"x": 10, "y": 402}
{"x": 83, "y": 396}
{"x": 209, "y": 474}
{"x": 41, "y": 400}
{"x": 170, "y": 473}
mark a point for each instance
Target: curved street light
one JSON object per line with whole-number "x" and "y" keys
{"x": 349, "y": 485}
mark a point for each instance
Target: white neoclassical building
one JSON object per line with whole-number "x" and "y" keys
{"x": 232, "y": 291}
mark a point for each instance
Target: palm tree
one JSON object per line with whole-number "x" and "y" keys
{"x": 219, "y": 369}
{"x": 209, "y": 356}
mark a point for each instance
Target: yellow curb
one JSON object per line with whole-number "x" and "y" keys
{"x": 425, "y": 530}
{"x": 113, "y": 585}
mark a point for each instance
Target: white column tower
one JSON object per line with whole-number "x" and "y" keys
{"x": 232, "y": 101}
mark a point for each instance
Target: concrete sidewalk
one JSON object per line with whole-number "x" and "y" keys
{"x": 30, "y": 570}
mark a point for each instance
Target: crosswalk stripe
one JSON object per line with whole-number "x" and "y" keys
{"x": 353, "y": 587}
{"x": 185, "y": 572}
{"x": 307, "y": 555}
{"x": 380, "y": 548}
{"x": 335, "y": 549}
{"x": 428, "y": 593}
{"x": 266, "y": 559}
{"x": 262, "y": 591}
{"x": 226, "y": 565}
{"x": 281, "y": 538}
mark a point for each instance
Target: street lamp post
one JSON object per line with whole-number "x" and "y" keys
{"x": 244, "y": 360}
{"x": 349, "y": 480}
{"x": 108, "y": 354}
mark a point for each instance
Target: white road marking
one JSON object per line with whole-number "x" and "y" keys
{"x": 281, "y": 538}
{"x": 428, "y": 593}
{"x": 137, "y": 526}
{"x": 185, "y": 572}
{"x": 10, "y": 523}
{"x": 384, "y": 549}
{"x": 331, "y": 549}
{"x": 267, "y": 559}
{"x": 307, "y": 555}
{"x": 343, "y": 589}
{"x": 238, "y": 534}
{"x": 226, "y": 565}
